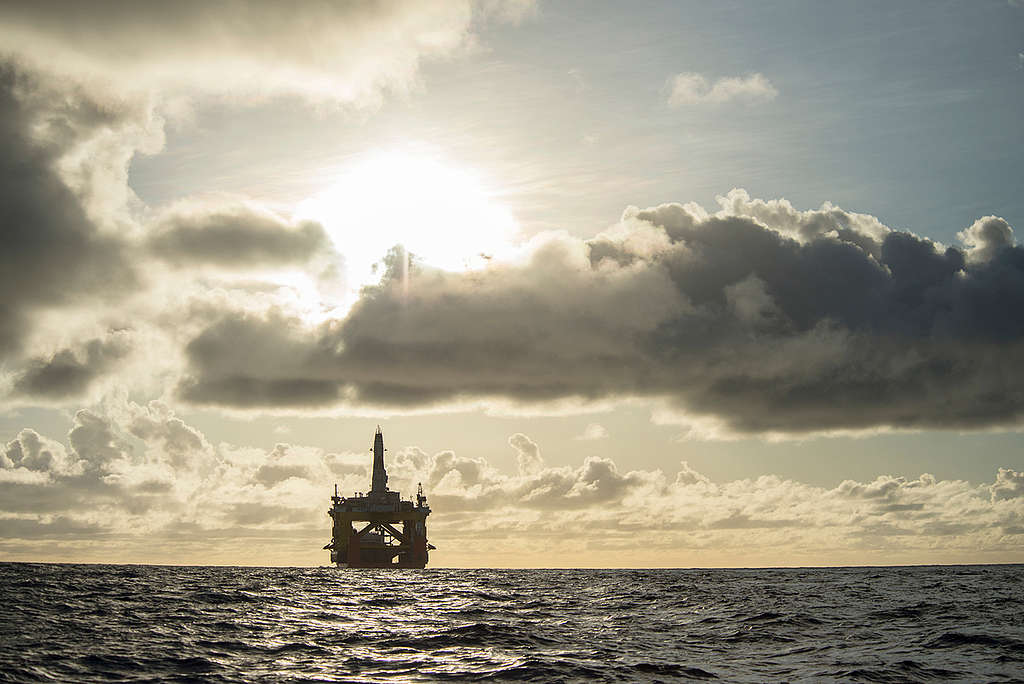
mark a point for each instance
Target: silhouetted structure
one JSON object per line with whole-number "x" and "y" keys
{"x": 379, "y": 543}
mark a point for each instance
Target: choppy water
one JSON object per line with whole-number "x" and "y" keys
{"x": 124, "y": 623}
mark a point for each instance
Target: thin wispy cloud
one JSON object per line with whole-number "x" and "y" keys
{"x": 341, "y": 52}
{"x": 690, "y": 88}
{"x": 579, "y": 85}
{"x": 593, "y": 431}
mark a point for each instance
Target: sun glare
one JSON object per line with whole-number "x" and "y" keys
{"x": 440, "y": 213}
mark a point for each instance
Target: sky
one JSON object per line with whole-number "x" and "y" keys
{"x": 657, "y": 284}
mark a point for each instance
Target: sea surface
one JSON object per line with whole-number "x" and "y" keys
{"x": 155, "y": 623}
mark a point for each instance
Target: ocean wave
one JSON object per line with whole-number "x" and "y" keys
{"x": 125, "y": 623}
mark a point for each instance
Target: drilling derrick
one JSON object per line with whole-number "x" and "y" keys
{"x": 366, "y": 530}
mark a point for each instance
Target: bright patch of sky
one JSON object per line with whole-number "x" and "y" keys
{"x": 907, "y": 111}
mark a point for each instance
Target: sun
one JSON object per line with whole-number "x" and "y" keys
{"x": 442, "y": 214}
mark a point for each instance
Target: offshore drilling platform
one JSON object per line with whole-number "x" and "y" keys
{"x": 379, "y": 543}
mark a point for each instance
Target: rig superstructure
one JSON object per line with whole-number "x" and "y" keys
{"x": 379, "y": 543}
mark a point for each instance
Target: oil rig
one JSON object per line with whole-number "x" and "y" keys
{"x": 379, "y": 543}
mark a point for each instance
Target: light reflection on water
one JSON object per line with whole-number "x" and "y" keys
{"x": 104, "y": 623}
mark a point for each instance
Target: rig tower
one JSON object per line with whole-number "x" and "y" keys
{"x": 378, "y": 543}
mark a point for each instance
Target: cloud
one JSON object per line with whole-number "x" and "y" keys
{"x": 514, "y": 11}
{"x": 55, "y": 250}
{"x": 31, "y": 452}
{"x": 83, "y": 90}
{"x": 592, "y": 432}
{"x": 690, "y": 88}
{"x": 140, "y": 471}
{"x": 70, "y": 371}
{"x": 527, "y": 453}
{"x": 340, "y": 51}
{"x": 986, "y": 238}
{"x": 233, "y": 235}
{"x": 757, "y": 318}
{"x": 1009, "y": 484}
{"x": 760, "y": 317}
{"x": 579, "y": 84}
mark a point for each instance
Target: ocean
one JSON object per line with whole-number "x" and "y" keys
{"x": 106, "y": 623}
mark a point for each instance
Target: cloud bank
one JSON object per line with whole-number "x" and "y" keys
{"x": 760, "y": 316}
{"x": 140, "y": 473}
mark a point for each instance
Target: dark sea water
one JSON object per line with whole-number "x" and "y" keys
{"x": 132, "y": 623}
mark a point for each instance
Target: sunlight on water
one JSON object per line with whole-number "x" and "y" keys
{"x": 106, "y": 623}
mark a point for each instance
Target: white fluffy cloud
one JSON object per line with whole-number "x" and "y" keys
{"x": 689, "y": 88}
{"x": 986, "y": 237}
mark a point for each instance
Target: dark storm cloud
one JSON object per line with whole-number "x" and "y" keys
{"x": 69, "y": 372}
{"x": 250, "y": 392}
{"x": 52, "y": 253}
{"x": 765, "y": 318}
{"x": 234, "y": 236}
